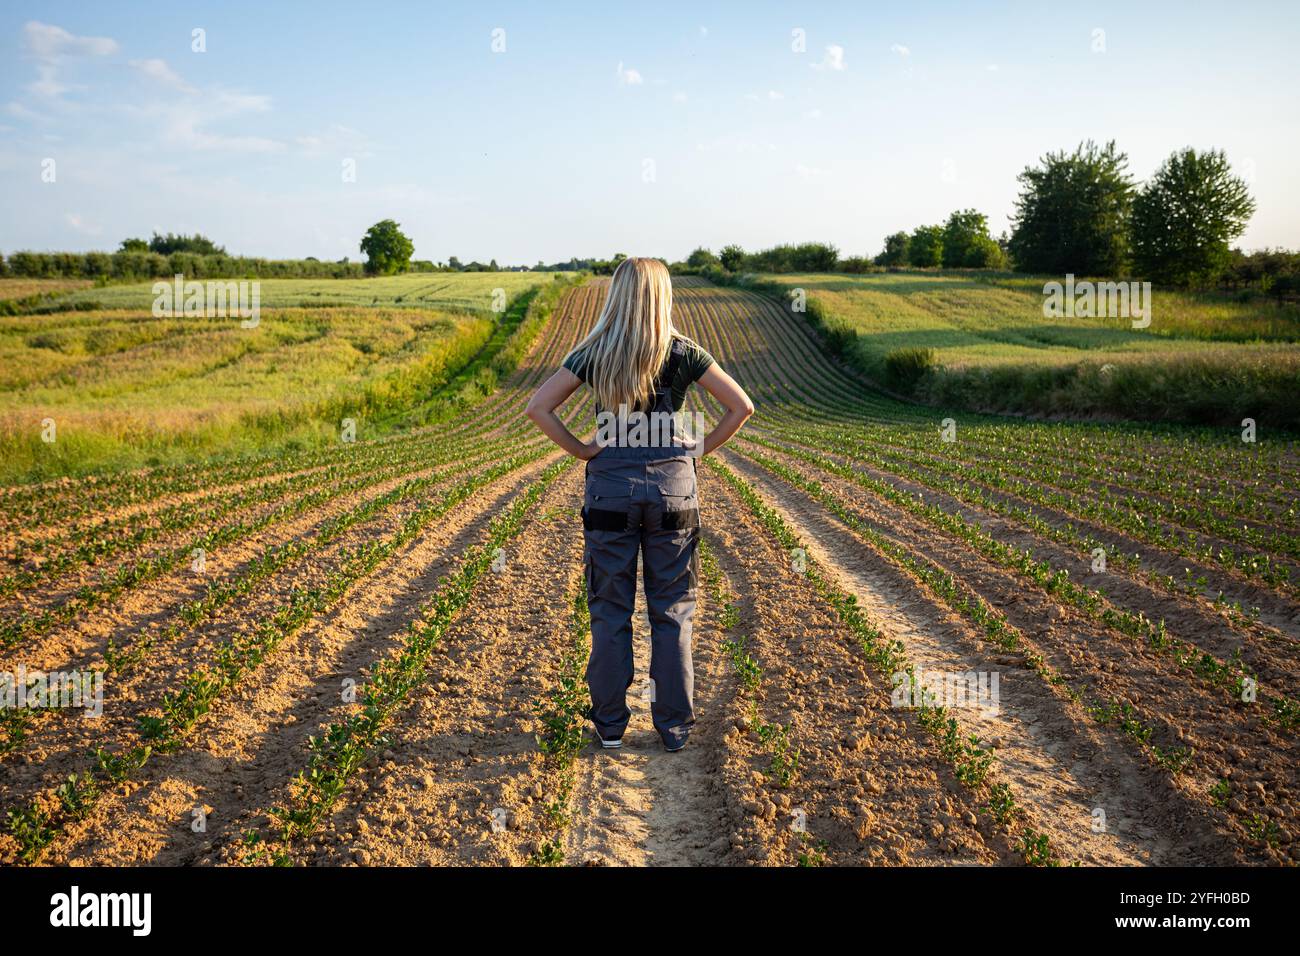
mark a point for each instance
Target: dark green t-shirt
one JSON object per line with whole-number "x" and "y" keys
{"x": 693, "y": 363}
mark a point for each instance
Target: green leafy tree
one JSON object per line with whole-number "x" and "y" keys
{"x": 732, "y": 258}
{"x": 133, "y": 245}
{"x": 388, "y": 250}
{"x": 963, "y": 235}
{"x": 700, "y": 258}
{"x": 895, "y": 253}
{"x": 197, "y": 244}
{"x": 925, "y": 248}
{"x": 986, "y": 253}
{"x": 1185, "y": 216}
{"x": 1072, "y": 213}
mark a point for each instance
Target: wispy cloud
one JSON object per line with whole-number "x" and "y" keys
{"x": 16, "y": 109}
{"x": 628, "y": 76}
{"x": 160, "y": 72}
{"x": 832, "y": 59}
{"x": 52, "y": 47}
{"x": 80, "y": 225}
{"x": 900, "y": 49}
{"x": 186, "y": 122}
{"x": 735, "y": 144}
{"x": 48, "y": 42}
{"x": 337, "y": 140}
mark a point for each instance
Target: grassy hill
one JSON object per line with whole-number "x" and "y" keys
{"x": 125, "y": 388}
{"x": 982, "y": 342}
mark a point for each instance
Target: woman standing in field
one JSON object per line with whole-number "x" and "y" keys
{"x": 640, "y": 491}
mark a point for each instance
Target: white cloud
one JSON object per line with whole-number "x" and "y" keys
{"x": 774, "y": 95}
{"x": 809, "y": 173}
{"x": 992, "y": 67}
{"x": 48, "y": 83}
{"x": 704, "y": 31}
{"x": 900, "y": 50}
{"x": 813, "y": 114}
{"x": 51, "y": 47}
{"x": 628, "y": 76}
{"x": 734, "y": 144}
{"x": 14, "y": 108}
{"x": 159, "y": 71}
{"x": 185, "y": 122}
{"x": 832, "y": 59}
{"x": 228, "y": 101}
{"x": 679, "y": 97}
{"x": 48, "y": 42}
{"x": 337, "y": 140}
{"x": 85, "y": 228}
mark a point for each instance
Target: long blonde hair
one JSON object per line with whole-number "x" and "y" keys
{"x": 630, "y": 342}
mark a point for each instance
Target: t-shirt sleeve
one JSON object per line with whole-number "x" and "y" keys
{"x": 577, "y": 365}
{"x": 696, "y": 362}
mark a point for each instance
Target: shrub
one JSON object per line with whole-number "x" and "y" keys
{"x": 905, "y": 367}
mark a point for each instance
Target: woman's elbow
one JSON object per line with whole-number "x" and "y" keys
{"x": 533, "y": 410}
{"x": 746, "y": 407}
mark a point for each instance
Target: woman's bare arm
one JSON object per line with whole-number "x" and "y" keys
{"x": 555, "y": 391}
{"x": 733, "y": 398}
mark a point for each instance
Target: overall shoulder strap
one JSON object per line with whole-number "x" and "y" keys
{"x": 669, "y": 371}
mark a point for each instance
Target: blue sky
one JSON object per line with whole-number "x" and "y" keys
{"x": 601, "y": 128}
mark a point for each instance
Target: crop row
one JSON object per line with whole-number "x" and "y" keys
{"x": 563, "y": 715}
{"x": 344, "y": 745}
{"x": 36, "y": 825}
{"x": 996, "y": 457}
{"x": 16, "y": 723}
{"x": 867, "y": 442}
{"x": 972, "y": 762}
{"x": 993, "y": 625}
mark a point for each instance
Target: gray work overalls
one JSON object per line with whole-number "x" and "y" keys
{"x": 642, "y": 499}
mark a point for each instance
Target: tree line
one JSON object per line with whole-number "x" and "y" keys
{"x": 1078, "y": 212}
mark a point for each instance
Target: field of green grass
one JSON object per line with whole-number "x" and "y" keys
{"x": 11, "y": 288}
{"x": 124, "y": 388}
{"x": 441, "y": 290}
{"x": 990, "y": 348}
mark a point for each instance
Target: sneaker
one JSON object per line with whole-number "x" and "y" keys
{"x": 613, "y": 743}
{"x": 674, "y": 747}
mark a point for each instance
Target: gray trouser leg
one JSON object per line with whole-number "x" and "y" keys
{"x": 669, "y": 563}
{"x": 649, "y": 507}
{"x": 610, "y": 559}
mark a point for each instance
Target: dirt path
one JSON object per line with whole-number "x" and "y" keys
{"x": 643, "y": 806}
